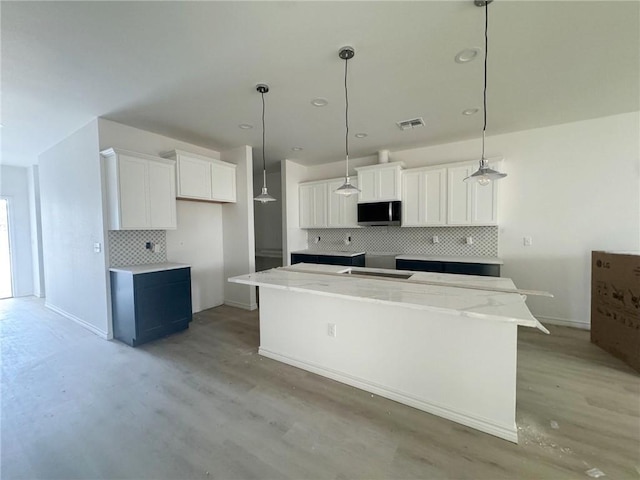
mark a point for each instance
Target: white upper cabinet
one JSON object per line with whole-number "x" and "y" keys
{"x": 380, "y": 182}
{"x": 424, "y": 199}
{"x": 313, "y": 205}
{"x": 140, "y": 191}
{"x": 342, "y": 211}
{"x": 321, "y": 207}
{"x": 203, "y": 178}
{"x": 471, "y": 203}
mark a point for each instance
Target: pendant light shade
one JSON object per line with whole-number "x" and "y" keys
{"x": 346, "y": 189}
{"x": 264, "y": 197}
{"x": 484, "y": 175}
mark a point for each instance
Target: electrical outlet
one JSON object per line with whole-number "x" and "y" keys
{"x": 97, "y": 247}
{"x": 331, "y": 329}
{"x": 469, "y": 240}
{"x": 527, "y": 241}
{"x": 316, "y": 240}
{"x": 156, "y": 248}
{"x": 435, "y": 239}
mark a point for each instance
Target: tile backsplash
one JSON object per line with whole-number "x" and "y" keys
{"x": 127, "y": 247}
{"x": 452, "y": 240}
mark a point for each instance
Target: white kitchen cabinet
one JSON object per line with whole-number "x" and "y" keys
{"x": 380, "y": 182}
{"x": 313, "y": 205}
{"x": 469, "y": 203}
{"x": 140, "y": 191}
{"x": 321, "y": 207}
{"x": 424, "y": 200}
{"x": 342, "y": 211}
{"x": 203, "y": 178}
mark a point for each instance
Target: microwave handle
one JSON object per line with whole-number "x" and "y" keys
{"x": 390, "y": 211}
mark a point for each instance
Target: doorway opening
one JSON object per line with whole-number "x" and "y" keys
{"x": 6, "y": 290}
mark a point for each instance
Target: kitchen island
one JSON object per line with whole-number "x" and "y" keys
{"x": 445, "y": 344}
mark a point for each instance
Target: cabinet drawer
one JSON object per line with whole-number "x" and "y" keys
{"x": 420, "y": 266}
{"x": 146, "y": 280}
{"x": 486, "y": 270}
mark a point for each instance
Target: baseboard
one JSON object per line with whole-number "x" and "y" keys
{"x": 78, "y": 320}
{"x": 482, "y": 424}
{"x": 563, "y": 322}
{"x": 244, "y": 306}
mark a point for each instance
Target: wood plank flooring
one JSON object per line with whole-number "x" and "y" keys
{"x": 204, "y": 404}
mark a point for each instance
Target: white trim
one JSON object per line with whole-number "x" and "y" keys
{"x": 502, "y": 431}
{"x": 244, "y": 306}
{"x": 564, "y": 322}
{"x": 78, "y": 320}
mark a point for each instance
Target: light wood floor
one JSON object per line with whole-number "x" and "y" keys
{"x": 204, "y": 404}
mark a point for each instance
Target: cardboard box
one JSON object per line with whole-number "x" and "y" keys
{"x": 615, "y": 304}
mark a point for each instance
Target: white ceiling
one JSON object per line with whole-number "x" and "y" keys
{"x": 189, "y": 70}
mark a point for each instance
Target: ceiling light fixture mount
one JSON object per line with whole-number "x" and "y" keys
{"x": 245, "y": 126}
{"x": 319, "y": 102}
{"x": 470, "y": 111}
{"x": 484, "y": 175}
{"x": 361, "y": 135}
{"x": 264, "y": 197}
{"x": 346, "y": 189}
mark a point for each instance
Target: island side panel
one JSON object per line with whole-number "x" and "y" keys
{"x": 460, "y": 368}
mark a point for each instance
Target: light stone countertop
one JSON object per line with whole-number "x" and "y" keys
{"x": 453, "y": 300}
{"x": 453, "y": 259}
{"x": 149, "y": 268}
{"x": 330, "y": 254}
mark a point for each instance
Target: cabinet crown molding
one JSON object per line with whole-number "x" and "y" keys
{"x": 174, "y": 154}
{"x": 111, "y": 151}
{"x": 380, "y": 166}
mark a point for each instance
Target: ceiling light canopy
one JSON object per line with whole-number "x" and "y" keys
{"x": 245, "y": 126}
{"x": 264, "y": 197}
{"x": 319, "y": 102}
{"x": 470, "y": 111}
{"x": 361, "y": 135}
{"x": 484, "y": 175}
{"x": 346, "y": 189}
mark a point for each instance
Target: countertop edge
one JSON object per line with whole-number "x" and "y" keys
{"x": 148, "y": 268}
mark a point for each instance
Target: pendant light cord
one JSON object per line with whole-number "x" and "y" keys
{"x": 264, "y": 165}
{"x": 484, "y": 92}
{"x": 346, "y": 114}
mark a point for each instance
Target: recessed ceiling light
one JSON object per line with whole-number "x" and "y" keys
{"x": 470, "y": 111}
{"x": 319, "y": 102}
{"x": 245, "y": 126}
{"x": 467, "y": 55}
{"x": 297, "y": 149}
{"x": 361, "y": 135}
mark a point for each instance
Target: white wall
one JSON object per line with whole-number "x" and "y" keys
{"x": 36, "y": 231}
{"x": 293, "y": 237}
{"x": 573, "y": 188}
{"x": 14, "y": 186}
{"x": 268, "y": 216}
{"x": 198, "y": 238}
{"x": 72, "y": 221}
{"x": 238, "y": 231}
{"x": 202, "y": 250}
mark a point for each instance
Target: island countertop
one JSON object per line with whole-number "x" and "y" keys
{"x": 458, "y": 297}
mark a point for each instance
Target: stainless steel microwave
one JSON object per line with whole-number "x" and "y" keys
{"x": 379, "y": 213}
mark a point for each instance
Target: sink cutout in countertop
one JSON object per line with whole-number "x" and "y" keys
{"x": 402, "y": 276}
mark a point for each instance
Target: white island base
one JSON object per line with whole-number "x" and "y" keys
{"x": 457, "y": 365}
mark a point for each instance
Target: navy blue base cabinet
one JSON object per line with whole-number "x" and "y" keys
{"x": 357, "y": 261}
{"x": 147, "y": 306}
{"x": 484, "y": 269}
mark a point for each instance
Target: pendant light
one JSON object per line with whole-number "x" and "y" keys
{"x": 346, "y": 189}
{"x": 484, "y": 175}
{"x": 264, "y": 197}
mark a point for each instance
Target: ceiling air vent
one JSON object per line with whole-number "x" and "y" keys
{"x": 409, "y": 124}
